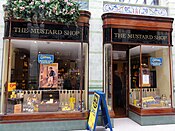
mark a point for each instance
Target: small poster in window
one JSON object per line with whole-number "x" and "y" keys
{"x": 145, "y": 80}
{"x": 11, "y": 86}
{"x": 48, "y": 77}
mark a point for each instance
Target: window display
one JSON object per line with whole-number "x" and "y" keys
{"x": 154, "y": 92}
{"x": 46, "y": 77}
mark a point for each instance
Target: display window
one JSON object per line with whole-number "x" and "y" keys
{"x": 45, "y": 76}
{"x": 108, "y": 74}
{"x": 134, "y": 61}
{"x": 150, "y": 77}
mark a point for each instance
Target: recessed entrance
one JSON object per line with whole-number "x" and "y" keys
{"x": 120, "y": 73}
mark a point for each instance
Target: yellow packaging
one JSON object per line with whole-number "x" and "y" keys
{"x": 135, "y": 102}
{"x": 72, "y": 103}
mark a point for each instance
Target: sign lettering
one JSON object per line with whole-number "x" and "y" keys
{"x": 140, "y": 36}
{"x": 45, "y": 59}
{"x": 156, "y": 61}
{"x": 93, "y": 113}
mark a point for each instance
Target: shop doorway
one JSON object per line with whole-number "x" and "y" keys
{"x": 120, "y": 71}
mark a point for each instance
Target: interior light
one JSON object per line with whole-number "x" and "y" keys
{"x": 34, "y": 41}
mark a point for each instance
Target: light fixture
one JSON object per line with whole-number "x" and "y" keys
{"x": 34, "y": 41}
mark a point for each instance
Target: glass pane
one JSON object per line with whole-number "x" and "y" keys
{"x": 85, "y": 76}
{"x": 134, "y": 91}
{"x": 107, "y": 74}
{"x": 6, "y": 47}
{"x": 156, "y": 91}
{"x": 45, "y": 77}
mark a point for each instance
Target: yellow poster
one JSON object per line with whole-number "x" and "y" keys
{"x": 93, "y": 112}
{"x": 11, "y": 86}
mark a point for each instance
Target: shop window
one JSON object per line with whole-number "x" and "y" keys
{"x": 108, "y": 74}
{"x": 134, "y": 91}
{"x": 46, "y": 76}
{"x": 156, "y": 91}
{"x": 150, "y": 88}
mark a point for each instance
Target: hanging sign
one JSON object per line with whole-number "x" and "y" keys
{"x": 45, "y": 58}
{"x": 156, "y": 61}
{"x": 99, "y": 100}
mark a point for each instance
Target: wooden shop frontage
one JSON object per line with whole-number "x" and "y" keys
{"x": 45, "y": 72}
{"x": 138, "y": 67}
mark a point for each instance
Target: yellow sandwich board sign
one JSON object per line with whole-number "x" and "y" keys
{"x": 93, "y": 112}
{"x": 99, "y": 102}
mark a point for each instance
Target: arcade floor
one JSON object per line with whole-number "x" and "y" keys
{"x": 126, "y": 124}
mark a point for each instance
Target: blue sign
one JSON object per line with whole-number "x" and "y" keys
{"x": 99, "y": 100}
{"x": 156, "y": 61}
{"x": 45, "y": 59}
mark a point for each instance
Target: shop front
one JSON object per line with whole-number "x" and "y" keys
{"x": 138, "y": 67}
{"x": 45, "y": 72}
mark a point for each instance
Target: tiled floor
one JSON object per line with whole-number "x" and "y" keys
{"x": 126, "y": 124}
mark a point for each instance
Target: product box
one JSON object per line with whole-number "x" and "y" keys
{"x": 17, "y": 108}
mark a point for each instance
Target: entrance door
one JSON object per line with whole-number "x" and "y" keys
{"x": 120, "y": 70}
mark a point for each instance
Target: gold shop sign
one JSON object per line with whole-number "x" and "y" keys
{"x": 135, "y": 36}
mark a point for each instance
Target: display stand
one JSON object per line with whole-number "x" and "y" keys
{"x": 99, "y": 102}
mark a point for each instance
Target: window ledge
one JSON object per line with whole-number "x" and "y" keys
{"x": 39, "y": 117}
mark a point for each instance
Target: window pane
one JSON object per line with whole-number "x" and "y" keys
{"x": 155, "y": 77}
{"x": 85, "y": 74}
{"x": 6, "y": 47}
{"x": 134, "y": 93}
{"x": 107, "y": 74}
{"x": 46, "y": 77}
